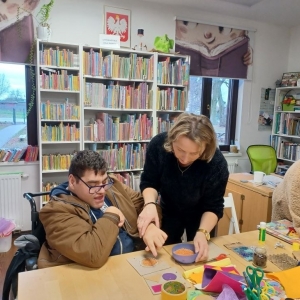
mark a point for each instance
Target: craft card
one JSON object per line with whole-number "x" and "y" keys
{"x": 157, "y": 279}
{"x": 146, "y": 264}
{"x": 246, "y": 252}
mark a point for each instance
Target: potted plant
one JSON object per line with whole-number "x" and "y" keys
{"x": 42, "y": 18}
{"x": 43, "y": 28}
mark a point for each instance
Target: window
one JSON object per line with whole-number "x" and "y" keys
{"x": 217, "y": 99}
{"x": 17, "y": 128}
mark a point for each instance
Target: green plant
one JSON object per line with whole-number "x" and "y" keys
{"x": 41, "y": 17}
{"x": 44, "y": 14}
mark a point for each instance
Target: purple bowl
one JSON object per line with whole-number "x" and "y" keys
{"x": 184, "y": 259}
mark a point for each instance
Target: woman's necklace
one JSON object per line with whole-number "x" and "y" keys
{"x": 182, "y": 171}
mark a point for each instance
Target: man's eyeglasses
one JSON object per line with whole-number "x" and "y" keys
{"x": 96, "y": 188}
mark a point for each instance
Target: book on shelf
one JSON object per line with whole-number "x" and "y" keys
{"x": 283, "y": 230}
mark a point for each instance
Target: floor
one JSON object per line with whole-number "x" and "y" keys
{"x": 5, "y": 259}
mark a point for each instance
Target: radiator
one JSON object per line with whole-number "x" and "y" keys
{"x": 11, "y": 198}
{"x": 231, "y": 167}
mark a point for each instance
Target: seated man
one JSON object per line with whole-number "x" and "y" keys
{"x": 286, "y": 197}
{"x": 92, "y": 216}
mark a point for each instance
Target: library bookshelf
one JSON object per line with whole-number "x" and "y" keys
{"x": 286, "y": 127}
{"x": 121, "y": 99}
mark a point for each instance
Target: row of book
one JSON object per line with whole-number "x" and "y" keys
{"x": 59, "y": 80}
{"x": 288, "y": 150}
{"x": 165, "y": 122}
{"x": 287, "y": 123}
{"x": 173, "y": 72}
{"x": 132, "y": 179}
{"x": 171, "y": 99}
{"x": 56, "y": 161}
{"x": 58, "y": 57}
{"x": 59, "y": 111}
{"x": 124, "y": 156}
{"x": 112, "y": 128}
{"x": 117, "y": 96}
{"x": 112, "y": 65}
{"x": 62, "y": 132}
{"x": 29, "y": 153}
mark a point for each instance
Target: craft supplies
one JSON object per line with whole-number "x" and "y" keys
{"x": 262, "y": 232}
{"x": 246, "y": 252}
{"x": 278, "y": 245}
{"x": 296, "y": 246}
{"x": 260, "y": 257}
{"x": 173, "y": 290}
{"x": 283, "y": 261}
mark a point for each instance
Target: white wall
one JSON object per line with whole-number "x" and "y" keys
{"x": 84, "y": 21}
{"x": 294, "y": 51}
{"x": 75, "y": 21}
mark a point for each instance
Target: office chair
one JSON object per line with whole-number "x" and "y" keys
{"x": 262, "y": 158}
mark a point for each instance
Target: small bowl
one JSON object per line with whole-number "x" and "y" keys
{"x": 184, "y": 259}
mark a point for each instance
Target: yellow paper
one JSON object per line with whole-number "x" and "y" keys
{"x": 221, "y": 263}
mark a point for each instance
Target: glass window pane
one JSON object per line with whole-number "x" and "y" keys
{"x": 218, "y": 110}
{"x": 13, "y": 120}
{"x": 195, "y": 95}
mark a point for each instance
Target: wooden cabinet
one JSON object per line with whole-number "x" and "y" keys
{"x": 253, "y": 204}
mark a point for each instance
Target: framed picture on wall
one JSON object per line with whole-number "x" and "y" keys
{"x": 117, "y": 21}
{"x": 290, "y": 78}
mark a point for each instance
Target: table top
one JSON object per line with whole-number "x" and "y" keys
{"x": 117, "y": 279}
{"x": 236, "y": 178}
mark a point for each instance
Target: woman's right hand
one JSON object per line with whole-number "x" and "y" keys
{"x": 149, "y": 214}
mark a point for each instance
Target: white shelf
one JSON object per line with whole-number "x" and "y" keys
{"x": 46, "y": 68}
{"x": 71, "y": 120}
{"x": 117, "y": 79}
{"x": 170, "y": 85}
{"x": 59, "y": 91}
{"x": 124, "y": 170}
{"x": 60, "y": 142}
{"x": 117, "y": 109}
{"x": 54, "y": 171}
{"x": 117, "y": 142}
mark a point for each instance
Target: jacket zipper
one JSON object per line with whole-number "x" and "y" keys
{"x": 121, "y": 245}
{"x": 116, "y": 202}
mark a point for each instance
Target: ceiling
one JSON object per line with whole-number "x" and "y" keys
{"x": 279, "y": 12}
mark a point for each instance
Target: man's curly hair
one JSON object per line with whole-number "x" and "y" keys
{"x": 87, "y": 160}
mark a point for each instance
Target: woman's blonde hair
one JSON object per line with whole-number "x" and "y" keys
{"x": 198, "y": 129}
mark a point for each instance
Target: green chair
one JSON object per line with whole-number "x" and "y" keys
{"x": 262, "y": 158}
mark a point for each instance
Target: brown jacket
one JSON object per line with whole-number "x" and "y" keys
{"x": 71, "y": 235}
{"x": 286, "y": 197}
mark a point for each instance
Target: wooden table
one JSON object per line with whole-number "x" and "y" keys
{"x": 253, "y": 204}
{"x": 117, "y": 279}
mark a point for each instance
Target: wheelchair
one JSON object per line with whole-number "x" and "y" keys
{"x": 25, "y": 259}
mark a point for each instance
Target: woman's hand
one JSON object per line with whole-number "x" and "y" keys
{"x": 148, "y": 215}
{"x": 201, "y": 246}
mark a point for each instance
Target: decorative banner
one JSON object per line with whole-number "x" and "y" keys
{"x": 215, "y": 51}
{"x": 16, "y": 38}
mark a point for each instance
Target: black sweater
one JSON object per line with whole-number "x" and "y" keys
{"x": 200, "y": 188}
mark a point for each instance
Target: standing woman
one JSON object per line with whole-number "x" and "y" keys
{"x": 190, "y": 173}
